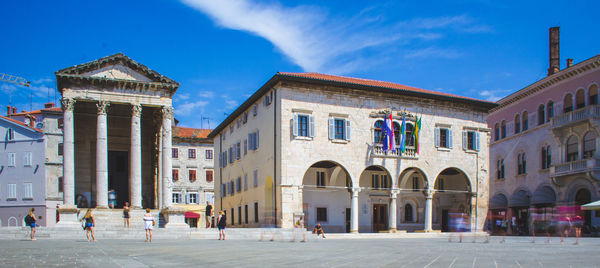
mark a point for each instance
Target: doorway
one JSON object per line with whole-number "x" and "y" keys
{"x": 445, "y": 227}
{"x": 348, "y": 219}
{"x": 118, "y": 176}
{"x": 380, "y": 222}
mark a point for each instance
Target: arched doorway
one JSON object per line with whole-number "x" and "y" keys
{"x": 519, "y": 214}
{"x": 453, "y": 194}
{"x": 582, "y": 197}
{"x": 412, "y": 184}
{"x": 326, "y": 197}
{"x": 375, "y": 183}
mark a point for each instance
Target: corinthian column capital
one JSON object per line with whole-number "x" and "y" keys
{"x": 136, "y": 110}
{"x": 102, "y": 106}
{"x": 167, "y": 111}
{"x": 67, "y": 104}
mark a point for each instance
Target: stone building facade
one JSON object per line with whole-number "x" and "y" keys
{"x": 22, "y": 172}
{"x": 193, "y": 178}
{"x": 306, "y": 146}
{"x": 544, "y": 152}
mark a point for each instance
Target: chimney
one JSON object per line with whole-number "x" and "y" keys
{"x": 554, "y": 51}
{"x": 14, "y": 110}
{"x": 8, "y": 109}
{"x": 48, "y": 105}
{"x": 569, "y": 63}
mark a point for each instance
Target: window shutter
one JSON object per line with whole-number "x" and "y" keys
{"x": 465, "y": 140}
{"x": 250, "y": 141}
{"x": 295, "y": 125}
{"x": 331, "y": 129}
{"x": 347, "y": 130}
{"x": 437, "y": 137}
{"x": 311, "y": 128}
{"x": 450, "y": 138}
{"x": 257, "y": 144}
{"x": 477, "y": 141}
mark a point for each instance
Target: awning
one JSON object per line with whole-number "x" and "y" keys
{"x": 543, "y": 195}
{"x": 519, "y": 199}
{"x": 498, "y": 201}
{"x": 193, "y": 215}
{"x": 592, "y": 206}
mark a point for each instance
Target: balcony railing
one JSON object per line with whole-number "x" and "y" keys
{"x": 575, "y": 167}
{"x": 581, "y": 114}
{"x": 409, "y": 152}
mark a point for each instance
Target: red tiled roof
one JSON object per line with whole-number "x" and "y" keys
{"x": 369, "y": 82}
{"x": 54, "y": 109}
{"x": 187, "y": 132}
{"x": 22, "y": 124}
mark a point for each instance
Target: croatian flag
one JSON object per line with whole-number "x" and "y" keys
{"x": 389, "y": 143}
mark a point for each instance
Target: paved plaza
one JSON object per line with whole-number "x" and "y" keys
{"x": 382, "y": 252}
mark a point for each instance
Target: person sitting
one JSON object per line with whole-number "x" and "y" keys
{"x": 319, "y": 230}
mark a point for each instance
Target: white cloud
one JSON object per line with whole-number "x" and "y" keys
{"x": 181, "y": 97}
{"x": 189, "y": 107}
{"x": 42, "y": 81}
{"x": 319, "y": 42}
{"x": 433, "y": 52}
{"x": 7, "y": 89}
{"x": 231, "y": 104}
{"x": 494, "y": 95}
{"x": 206, "y": 94}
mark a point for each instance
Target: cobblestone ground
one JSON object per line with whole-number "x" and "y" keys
{"x": 409, "y": 252}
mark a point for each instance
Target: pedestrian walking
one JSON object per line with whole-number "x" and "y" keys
{"x": 209, "y": 214}
{"x": 89, "y": 222}
{"x": 221, "y": 223}
{"x": 148, "y": 224}
{"x": 30, "y": 221}
{"x": 126, "y": 215}
{"x": 577, "y": 224}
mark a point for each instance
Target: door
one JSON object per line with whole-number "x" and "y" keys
{"x": 380, "y": 217}
{"x": 118, "y": 176}
{"x": 348, "y": 219}
{"x": 445, "y": 221}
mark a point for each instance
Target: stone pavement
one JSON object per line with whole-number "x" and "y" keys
{"x": 382, "y": 252}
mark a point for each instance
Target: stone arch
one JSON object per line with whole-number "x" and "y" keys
{"x": 593, "y": 94}
{"x": 453, "y": 193}
{"x": 13, "y": 222}
{"x": 404, "y": 181}
{"x": 517, "y": 123}
{"x": 499, "y": 201}
{"x": 575, "y": 186}
{"x": 544, "y": 195}
{"x": 413, "y": 204}
{"x": 568, "y": 103}
{"x": 572, "y": 148}
{"x": 453, "y": 172}
{"x": 521, "y": 197}
{"x": 370, "y": 182}
{"x": 326, "y": 195}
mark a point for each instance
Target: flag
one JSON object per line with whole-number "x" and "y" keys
{"x": 402, "y": 134}
{"x": 416, "y": 132}
{"x": 388, "y": 134}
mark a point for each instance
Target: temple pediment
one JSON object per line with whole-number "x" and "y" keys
{"x": 118, "y": 71}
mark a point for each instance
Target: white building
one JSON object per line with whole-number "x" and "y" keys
{"x": 308, "y": 145}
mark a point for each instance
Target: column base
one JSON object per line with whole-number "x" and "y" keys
{"x": 176, "y": 218}
{"x": 68, "y": 217}
{"x": 354, "y": 231}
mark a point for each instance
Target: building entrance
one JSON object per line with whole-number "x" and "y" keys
{"x": 118, "y": 177}
{"x": 380, "y": 214}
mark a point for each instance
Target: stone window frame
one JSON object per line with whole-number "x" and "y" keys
{"x": 310, "y": 124}
{"x": 208, "y": 154}
{"x": 319, "y": 216}
{"x": 207, "y": 172}
{"x": 474, "y": 140}
{"x": 500, "y": 169}
{"x": 189, "y": 197}
{"x": 438, "y": 137}
{"x": 192, "y": 153}
{"x": 546, "y": 156}
{"x": 175, "y": 153}
{"x": 27, "y": 159}
{"x": 11, "y": 193}
{"x": 192, "y": 171}
{"x": 178, "y": 194}
{"x": 175, "y": 171}
{"x": 27, "y": 191}
{"x": 521, "y": 163}
{"x": 12, "y": 159}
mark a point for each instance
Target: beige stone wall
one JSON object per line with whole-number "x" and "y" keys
{"x": 183, "y": 163}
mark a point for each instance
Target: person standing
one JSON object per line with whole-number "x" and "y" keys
{"x": 221, "y": 223}
{"x": 126, "y": 215}
{"x": 208, "y": 213}
{"x": 148, "y": 224}
{"x": 90, "y": 222}
{"x": 30, "y": 221}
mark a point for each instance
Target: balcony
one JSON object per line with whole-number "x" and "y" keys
{"x": 575, "y": 167}
{"x": 409, "y": 152}
{"x": 573, "y": 117}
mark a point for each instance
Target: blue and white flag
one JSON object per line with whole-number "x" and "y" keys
{"x": 389, "y": 143}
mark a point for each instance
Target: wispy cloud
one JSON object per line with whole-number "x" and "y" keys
{"x": 42, "y": 81}
{"x": 188, "y": 107}
{"x": 231, "y": 104}
{"x": 206, "y": 94}
{"x": 320, "y": 42}
{"x": 7, "y": 89}
{"x": 494, "y": 95}
{"x": 433, "y": 52}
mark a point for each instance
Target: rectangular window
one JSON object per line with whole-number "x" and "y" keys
{"x": 61, "y": 123}
{"x": 232, "y": 216}
{"x": 191, "y": 153}
{"x": 60, "y": 184}
{"x": 60, "y": 149}
{"x": 443, "y": 138}
{"x": 245, "y": 147}
{"x": 321, "y": 214}
{"x": 255, "y": 178}
{"x": 192, "y": 175}
{"x": 11, "y": 159}
{"x": 415, "y": 184}
{"x": 238, "y": 151}
{"x": 192, "y": 198}
{"x": 245, "y": 182}
{"x": 175, "y": 152}
{"x": 238, "y": 184}
{"x": 500, "y": 169}
{"x": 254, "y": 110}
{"x": 231, "y": 187}
{"x": 375, "y": 181}
{"x": 440, "y": 184}
{"x": 384, "y": 181}
{"x": 339, "y": 129}
{"x": 470, "y": 140}
{"x": 175, "y": 174}
{"x": 303, "y": 125}
{"x": 209, "y": 176}
{"x": 27, "y": 159}
{"x": 176, "y": 197}
{"x": 12, "y": 191}
{"x": 209, "y": 154}
{"x": 320, "y": 179}
{"x": 10, "y": 134}
{"x": 28, "y": 191}
{"x": 240, "y": 215}
{"x": 246, "y": 214}
{"x": 223, "y": 189}
{"x": 255, "y": 211}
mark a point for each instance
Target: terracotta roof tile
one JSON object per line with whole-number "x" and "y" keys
{"x": 369, "y": 82}
{"x": 54, "y": 109}
{"x": 22, "y": 124}
{"x": 187, "y": 132}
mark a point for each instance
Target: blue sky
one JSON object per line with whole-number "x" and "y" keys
{"x": 222, "y": 51}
